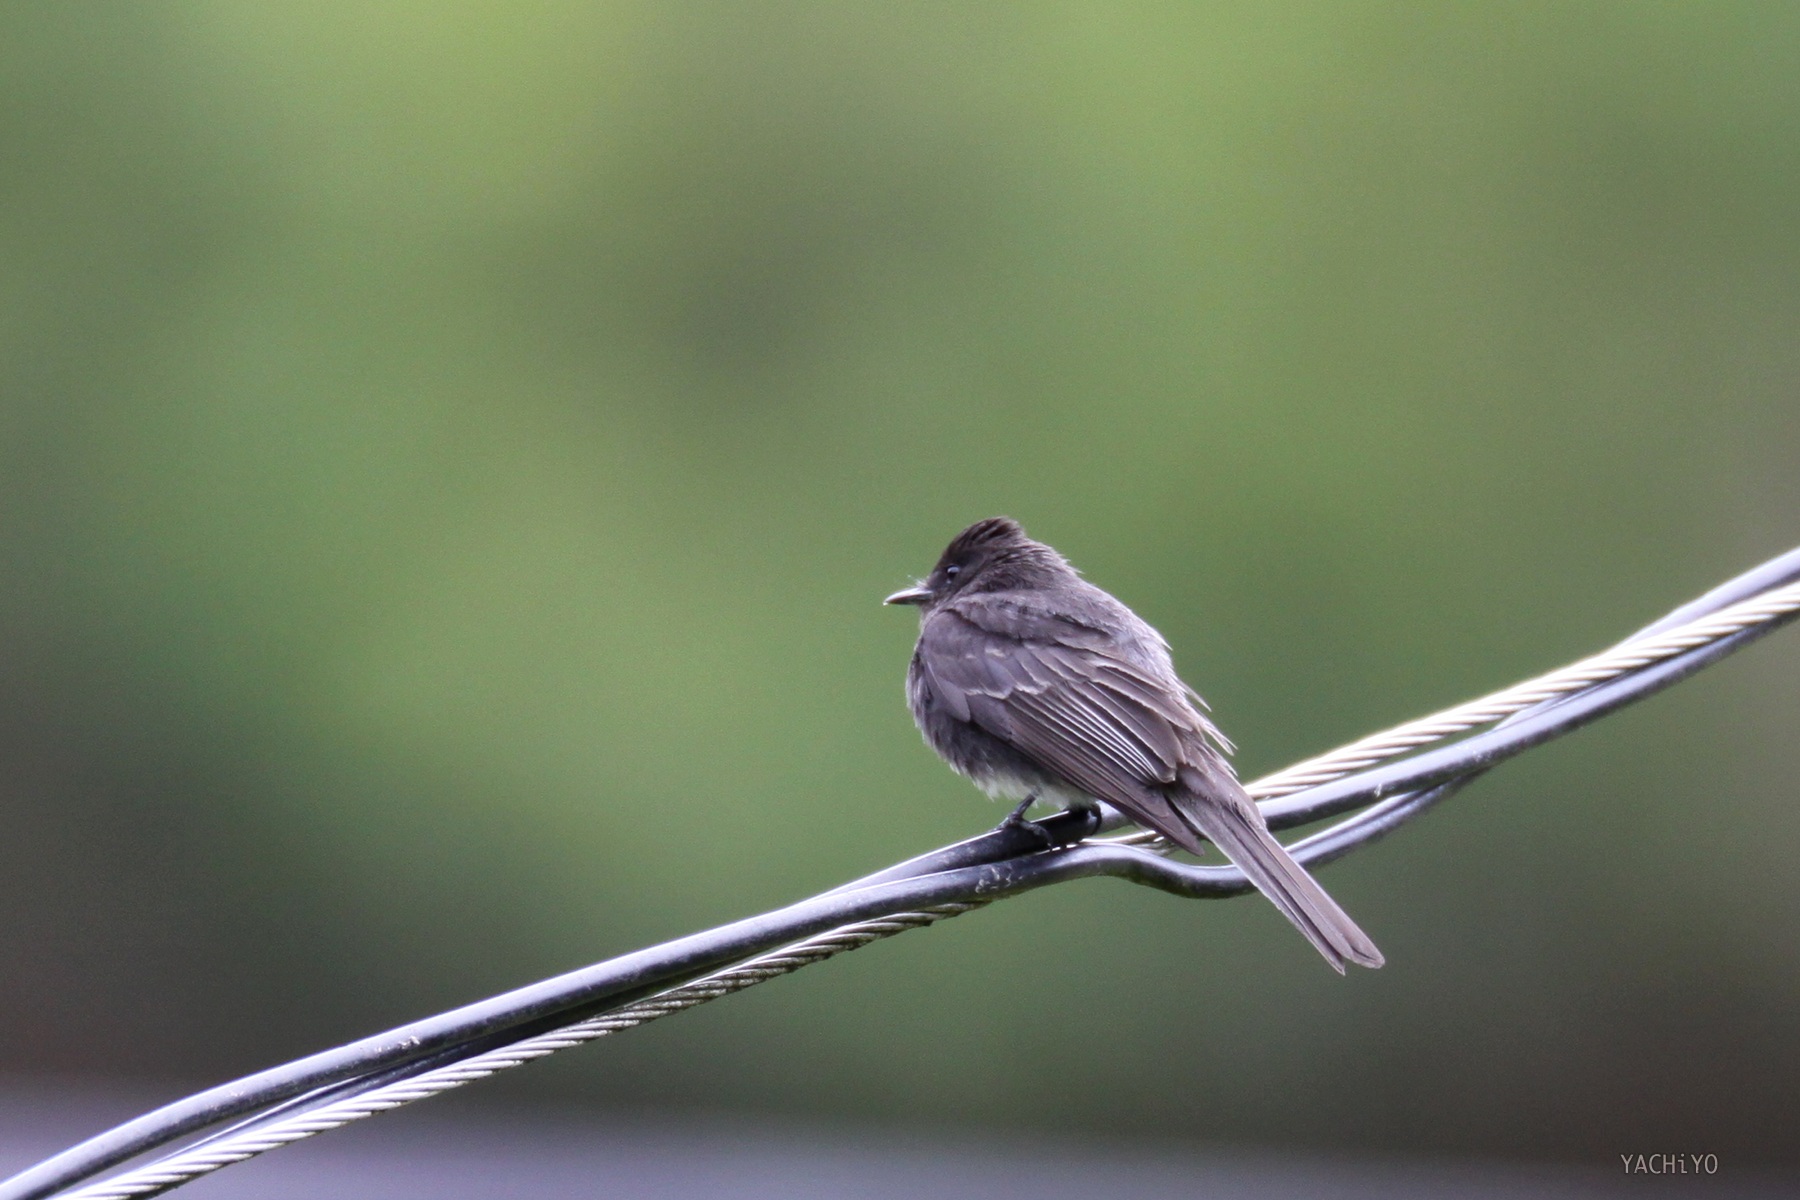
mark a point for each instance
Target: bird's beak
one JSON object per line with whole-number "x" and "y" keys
{"x": 911, "y": 595}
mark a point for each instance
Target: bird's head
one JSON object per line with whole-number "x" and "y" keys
{"x": 989, "y": 556}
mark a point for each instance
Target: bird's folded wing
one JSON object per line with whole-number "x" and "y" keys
{"x": 1097, "y": 721}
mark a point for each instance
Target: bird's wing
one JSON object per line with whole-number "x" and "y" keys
{"x": 1051, "y": 689}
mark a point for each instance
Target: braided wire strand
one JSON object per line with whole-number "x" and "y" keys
{"x": 261, "y": 1135}
{"x": 1598, "y": 668}
{"x": 229, "y": 1149}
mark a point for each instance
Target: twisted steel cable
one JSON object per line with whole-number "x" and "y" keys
{"x": 1610, "y": 664}
{"x": 1628, "y": 656}
{"x": 377, "y": 1074}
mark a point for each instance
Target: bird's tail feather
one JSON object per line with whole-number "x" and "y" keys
{"x": 1233, "y": 824}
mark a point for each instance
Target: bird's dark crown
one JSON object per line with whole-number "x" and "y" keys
{"x": 993, "y": 532}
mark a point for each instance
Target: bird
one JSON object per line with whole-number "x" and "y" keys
{"x": 1039, "y": 686}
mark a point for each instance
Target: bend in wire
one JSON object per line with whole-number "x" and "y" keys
{"x": 228, "y": 1148}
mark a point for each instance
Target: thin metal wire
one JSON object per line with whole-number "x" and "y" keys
{"x": 355, "y": 1097}
{"x": 235, "y": 1147}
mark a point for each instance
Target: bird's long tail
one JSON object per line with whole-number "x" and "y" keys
{"x": 1230, "y": 820}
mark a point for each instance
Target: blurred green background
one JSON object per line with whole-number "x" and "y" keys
{"x": 453, "y": 456}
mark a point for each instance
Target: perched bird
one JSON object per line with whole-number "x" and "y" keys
{"x": 1037, "y": 685}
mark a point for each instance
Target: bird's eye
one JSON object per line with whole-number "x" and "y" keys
{"x": 951, "y": 572}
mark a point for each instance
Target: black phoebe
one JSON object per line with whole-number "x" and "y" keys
{"x": 1037, "y": 685}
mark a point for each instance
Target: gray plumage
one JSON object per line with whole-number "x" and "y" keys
{"x": 1033, "y": 682}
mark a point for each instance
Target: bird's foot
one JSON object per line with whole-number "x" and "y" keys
{"x": 1016, "y": 819}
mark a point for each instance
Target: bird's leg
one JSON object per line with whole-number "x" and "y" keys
{"x": 1016, "y": 817}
